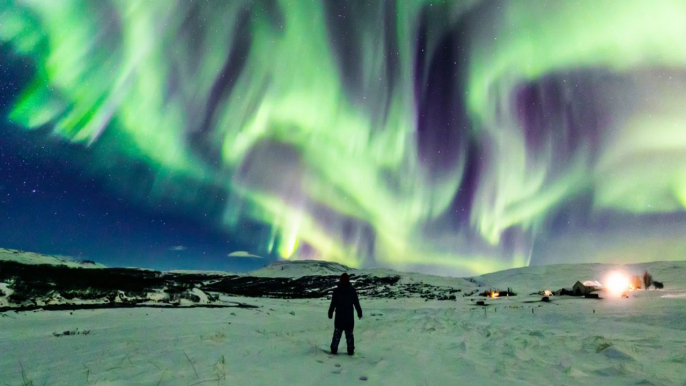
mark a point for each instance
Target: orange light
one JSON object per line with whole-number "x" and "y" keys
{"x": 617, "y": 284}
{"x": 494, "y": 294}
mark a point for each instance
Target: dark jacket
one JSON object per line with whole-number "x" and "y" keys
{"x": 343, "y": 300}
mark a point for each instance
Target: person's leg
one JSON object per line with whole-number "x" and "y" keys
{"x": 335, "y": 340}
{"x": 350, "y": 340}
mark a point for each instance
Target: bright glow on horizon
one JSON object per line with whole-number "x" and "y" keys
{"x": 617, "y": 284}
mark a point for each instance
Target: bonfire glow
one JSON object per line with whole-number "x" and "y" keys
{"x": 617, "y": 284}
{"x": 494, "y": 294}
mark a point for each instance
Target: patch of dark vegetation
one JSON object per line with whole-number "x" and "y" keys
{"x": 84, "y": 293}
{"x": 299, "y": 288}
{"x": 71, "y": 333}
{"x": 30, "y": 282}
{"x": 181, "y": 290}
{"x": 50, "y": 287}
{"x": 98, "y": 306}
{"x": 274, "y": 287}
{"x": 322, "y": 286}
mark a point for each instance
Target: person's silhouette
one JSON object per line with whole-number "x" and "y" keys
{"x": 343, "y": 300}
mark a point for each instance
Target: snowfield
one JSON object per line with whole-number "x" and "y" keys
{"x": 518, "y": 340}
{"x": 32, "y": 258}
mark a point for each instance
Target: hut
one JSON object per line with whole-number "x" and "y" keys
{"x": 585, "y": 288}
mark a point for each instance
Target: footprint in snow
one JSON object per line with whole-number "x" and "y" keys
{"x": 363, "y": 378}
{"x": 337, "y": 365}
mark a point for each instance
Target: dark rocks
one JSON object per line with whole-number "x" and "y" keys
{"x": 71, "y": 333}
{"x": 275, "y": 287}
{"x": 190, "y": 296}
{"x": 308, "y": 287}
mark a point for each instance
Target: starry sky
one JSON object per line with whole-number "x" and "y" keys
{"x": 449, "y": 137}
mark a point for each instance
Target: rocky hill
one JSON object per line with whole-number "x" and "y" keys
{"x": 53, "y": 284}
{"x": 300, "y": 268}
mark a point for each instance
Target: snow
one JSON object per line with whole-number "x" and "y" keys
{"x": 4, "y": 289}
{"x": 294, "y": 269}
{"x": 200, "y": 294}
{"x": 553, "y": 277}
{"x": 32, "y": 258}
{"x": 200, "y": 272}
{"x": 514, "y": 340}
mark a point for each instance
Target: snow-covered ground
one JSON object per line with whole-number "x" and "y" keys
{"x": 515, "y": 341}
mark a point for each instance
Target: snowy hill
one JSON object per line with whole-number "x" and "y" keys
{"x": 50, "y": 283}
{"x": 32, "y": 258}
{"x": 553, "y": 277}
{"x": 414, "y": 277}
{"x": 299, "y": 268}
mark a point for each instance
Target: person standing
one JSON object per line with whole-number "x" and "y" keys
{"x": 342, "y": 302}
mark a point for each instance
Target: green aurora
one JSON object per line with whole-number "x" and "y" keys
{"x": 447, "y": 136}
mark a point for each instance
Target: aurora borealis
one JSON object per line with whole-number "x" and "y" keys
{"x": 456, "y": 137}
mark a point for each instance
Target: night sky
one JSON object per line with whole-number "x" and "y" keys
{"x": 451, "y": 137}
{"x": 54, "y": 203}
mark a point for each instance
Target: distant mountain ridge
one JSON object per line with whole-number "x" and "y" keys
{"x": 299, "y": 268}
{"x": 32, "y": 258}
